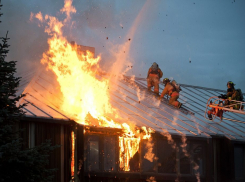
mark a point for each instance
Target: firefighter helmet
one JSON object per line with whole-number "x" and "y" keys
{"x": 154, "y": 65}
{"x": 165, "y": 80}
{"x": 231, "y": 84}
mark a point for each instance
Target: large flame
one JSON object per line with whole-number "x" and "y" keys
{"x": 85, "y": 93}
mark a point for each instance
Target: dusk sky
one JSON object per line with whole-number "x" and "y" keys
{"x": 195, "y": 42}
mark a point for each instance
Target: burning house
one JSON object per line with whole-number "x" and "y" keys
{"x": 111, "y": 129}
{"x": 134, "y": 137}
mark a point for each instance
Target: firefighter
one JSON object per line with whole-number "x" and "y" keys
{"x": 233, "y": 94}
{"x": 215, "y": 111}
{"x": 153, "y": 78}
{"x": 172, "y": 92}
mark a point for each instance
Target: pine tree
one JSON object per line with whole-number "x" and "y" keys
{"x": 16, "y": 163}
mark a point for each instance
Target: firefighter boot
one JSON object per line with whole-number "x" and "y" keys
{"x": 210, "y": 117}
{"x": 156, "y": 94}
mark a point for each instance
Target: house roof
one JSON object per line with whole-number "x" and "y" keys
{"x": 130, "y": 97}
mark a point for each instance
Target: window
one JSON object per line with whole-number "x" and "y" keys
{"x": 166, "y": 157}
{"x": 92, "y": 153}
{"x": 184, "y": 162}
{"x": 100, "y": 153}
{"x": 148, "y": 156}
{"x": 197, "y": 152}
{"x": 109, "y": 153}
{"x": 187, "y": 161}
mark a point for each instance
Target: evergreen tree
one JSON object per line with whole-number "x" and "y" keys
{"x": 16, "y": 163}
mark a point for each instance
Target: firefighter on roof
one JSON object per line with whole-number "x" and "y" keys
{"x": 153, "y": 78}
{"x": 172, "y": 92}
{"x": 233, "y": 94}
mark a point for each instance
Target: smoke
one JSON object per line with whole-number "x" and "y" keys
{"x": 91, "y": 22}
{"x": 140, "y": 94}
{"x": 175, "y": 117}
{"x": 94, "y": 21}
{"x": 184, "y": 150}
{"x": 169, "y": 138}
{"x": 122, "y": 62}
{"x": 197, "y": 126}
{"x": 149, "y": 155}
{"x": 27, "y": 42}
{"x": 173, "y": 144}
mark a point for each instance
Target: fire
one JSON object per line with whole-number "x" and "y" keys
{"x": 73, "y": 152}
{"x": 128, "y": 147}
{"x": 85, "y": 94}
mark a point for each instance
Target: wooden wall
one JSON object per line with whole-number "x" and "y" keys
{"x": 37, "y": 131}
{"x": 218, "y": 164}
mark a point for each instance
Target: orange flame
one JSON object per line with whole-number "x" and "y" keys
{"x": 85, "y": 94}
{"x": 68, "y": 9}
{"x": 72, "y": 152}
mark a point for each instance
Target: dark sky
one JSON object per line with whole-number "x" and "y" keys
{"x": 194, "y": 42}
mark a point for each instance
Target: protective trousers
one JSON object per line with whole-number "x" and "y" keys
{"x": 153, "y": 81}
{"x": 174, "y": 100}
